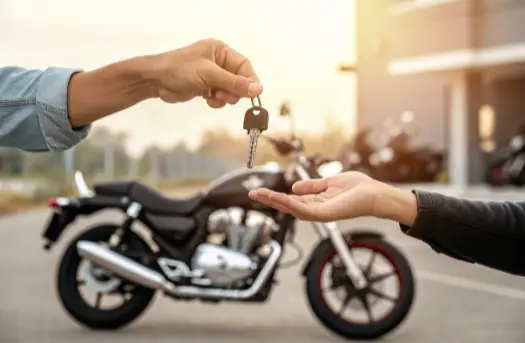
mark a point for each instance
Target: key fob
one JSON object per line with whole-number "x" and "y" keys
{"x": 256, "y": 118}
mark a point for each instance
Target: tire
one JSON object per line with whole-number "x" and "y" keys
{"x": 75, "y": 304}
{"x": 366, "y": 331}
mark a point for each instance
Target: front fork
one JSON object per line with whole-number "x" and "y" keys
{"x": 331, "y": 230}
{"x": 340, "y": 244}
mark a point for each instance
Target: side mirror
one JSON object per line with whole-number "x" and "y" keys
{"x": 285, "y": 110}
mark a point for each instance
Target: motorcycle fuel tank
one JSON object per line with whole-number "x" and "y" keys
{"x": 232, "y": 188}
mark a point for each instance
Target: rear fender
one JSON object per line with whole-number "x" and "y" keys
{"x": 66, "y": 210}
{"x": 349, "y": 236}
{"x": 90, "y": 205}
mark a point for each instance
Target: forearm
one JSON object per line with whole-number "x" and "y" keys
{"x": 397, "y": 204}
{"x": 95, "y": 94}
{"x": 487, "y": 233}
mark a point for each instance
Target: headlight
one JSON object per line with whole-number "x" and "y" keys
{"x": 516, "y": 143}
{"x": 330, "y": 168}
{"x": 271, "y": 166}
{"x": 354, "y": 158}
{"x": 386, "y": 155}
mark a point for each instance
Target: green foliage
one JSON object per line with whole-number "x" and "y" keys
{"x": 219, "y": 150}
{"x": 90, "y": 154}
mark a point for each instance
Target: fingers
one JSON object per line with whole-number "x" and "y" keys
{"x": 288, "y": 204}
{"x": 257, "y": 196}
{"x": 234, "y": 62}
{"x": 237, "y": 85}
{"x": 310, "y": 186}
{"x": 219, "y": 98}
{"x": 226, "y": 97}
{"x": 215, "y": 103}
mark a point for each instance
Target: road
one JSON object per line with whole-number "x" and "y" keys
{"x": 455, "y": 302}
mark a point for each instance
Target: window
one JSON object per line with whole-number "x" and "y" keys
{"x": 486, "y": 125}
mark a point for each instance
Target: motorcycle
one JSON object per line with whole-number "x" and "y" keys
{"x": 507, "y": 167}
{"x": 399, "y": 162}
{"x": 219, "y": 245}
{"x": 356, "y": 154}
{"x": 396, "y": 160}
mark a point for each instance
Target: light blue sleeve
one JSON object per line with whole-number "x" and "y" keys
{"x": 33, "y": 110}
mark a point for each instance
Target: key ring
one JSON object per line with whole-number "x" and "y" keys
{"x": 256, "y": 109}
{"x": 258, "y": 100}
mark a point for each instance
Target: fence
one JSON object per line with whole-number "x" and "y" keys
{"x": 42, "y": 171}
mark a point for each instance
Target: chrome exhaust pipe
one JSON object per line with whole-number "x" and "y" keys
{"x": 122, "y": 266}
{"x": 235, "y": 294}
{"x": 130, "y": 270}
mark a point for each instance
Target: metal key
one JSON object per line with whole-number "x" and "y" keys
{"x": 255, "y": 122}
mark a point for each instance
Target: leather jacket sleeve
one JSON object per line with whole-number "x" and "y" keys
{"x": 487, "y": 233}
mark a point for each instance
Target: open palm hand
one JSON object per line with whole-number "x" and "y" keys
{"x": 347, "y": 195}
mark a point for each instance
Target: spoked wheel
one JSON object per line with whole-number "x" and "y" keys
{"x": 94, "y": 297}
{"x": 353, "y": 313}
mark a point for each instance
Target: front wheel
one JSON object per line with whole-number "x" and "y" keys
{"x": 77, "y": 276}
{"x": 327, "y": 277}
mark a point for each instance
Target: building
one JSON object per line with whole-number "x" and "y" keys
{"x": 458, "y": 65}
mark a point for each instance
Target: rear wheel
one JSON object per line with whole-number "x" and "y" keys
{"x": 373, "y": 325}
{"x": 76, "y": 276}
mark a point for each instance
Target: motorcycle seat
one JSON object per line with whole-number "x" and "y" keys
{"x": 114, "y": 188}
{"x": 155, "y": 202}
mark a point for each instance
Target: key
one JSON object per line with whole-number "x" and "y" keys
{"x": 255, "y": 122}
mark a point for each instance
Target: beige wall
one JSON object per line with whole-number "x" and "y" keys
{"x": 381, "y": 95}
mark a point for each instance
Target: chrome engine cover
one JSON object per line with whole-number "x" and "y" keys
{"x": 222, "y": 266}
{"x": 226, "y": 224}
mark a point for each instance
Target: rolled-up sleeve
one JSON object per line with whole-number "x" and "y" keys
{"x": 34, "y": 109}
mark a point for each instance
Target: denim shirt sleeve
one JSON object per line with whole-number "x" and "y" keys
{"x": 33, "y": 110}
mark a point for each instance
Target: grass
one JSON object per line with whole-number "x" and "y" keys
{"x": 15, "y": 202}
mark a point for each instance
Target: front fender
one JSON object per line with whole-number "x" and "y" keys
{"x": 348, "y": 236}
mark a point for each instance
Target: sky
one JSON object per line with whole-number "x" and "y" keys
{"x": 295, "y": 47}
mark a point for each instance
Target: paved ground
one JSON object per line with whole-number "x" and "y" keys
{"x": 456, "y": 302}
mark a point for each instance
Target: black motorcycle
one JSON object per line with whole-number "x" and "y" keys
{"x": 507, "y": 166}
{"x": 399, "y": 161}
{"x": 356, "y": 154}
{"x": 219, "y": 245}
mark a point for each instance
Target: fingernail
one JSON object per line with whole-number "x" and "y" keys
{"x": 254, "y": 89}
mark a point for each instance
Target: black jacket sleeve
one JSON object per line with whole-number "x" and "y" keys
{"x": 488, "y": 233}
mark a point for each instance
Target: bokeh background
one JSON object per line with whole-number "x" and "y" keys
{"x": 295, "y": 47}
{"x": 425, "y": 93}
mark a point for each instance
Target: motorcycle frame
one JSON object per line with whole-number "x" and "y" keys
{"x": 327, "y": 231}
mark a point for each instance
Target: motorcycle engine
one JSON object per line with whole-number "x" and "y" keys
{"x": 234, "y": 249}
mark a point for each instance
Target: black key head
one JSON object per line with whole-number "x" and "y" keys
{"x": 256, "y": 118}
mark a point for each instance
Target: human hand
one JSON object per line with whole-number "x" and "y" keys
{"x": 207, "y": 68}
{"x": 344, "y": 196}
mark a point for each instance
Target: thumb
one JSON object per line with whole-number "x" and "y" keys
{"x": 310, "y": 186}
{"x": 238, "y": 85}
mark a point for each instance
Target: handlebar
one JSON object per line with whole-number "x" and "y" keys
{"x": 285, "y": 146}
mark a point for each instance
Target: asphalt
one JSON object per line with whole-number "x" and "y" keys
{"x": 455, "y": 301}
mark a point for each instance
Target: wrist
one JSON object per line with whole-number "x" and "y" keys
{"x": 396, "y": 204}
{"x": 143, "y": 70}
